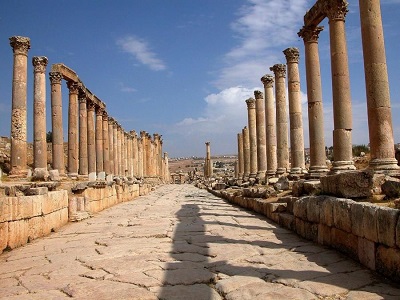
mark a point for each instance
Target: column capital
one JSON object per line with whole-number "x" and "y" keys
{"x": 55, "y": 77}
{"x": 268, "y": 80}
{"x": 336, "y": 10}
{"x": 292, "y": 54}
{"x": 90, "y": 105}
{"x": 99, "y": 110}
{"x": 81, "y": 97}
{"x": 110, "y": 120}
{"x": 39, "y": 63}
{"x": 105, "y": 115}
{"x": 279, "y": 70}
{"x": 73, "y": 87}
{"x": 258, "y": 95}
{"x": 20, "y": 44}
{"x": 310, "y": 34}
{"x": 251, "y": 103}
{"x": 133, "y": 133}
{"x": 208, "y": 143}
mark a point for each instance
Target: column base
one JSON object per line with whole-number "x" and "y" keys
{"x": 261, "y": 176}
{"x": 281, "y": 171}
{"x": 316, "y": 172}
{"x": 342, "y": 166}
{"x": 253, "y": 175}
{"x": 387, "y": 166}
{"x": 271, "y": 173}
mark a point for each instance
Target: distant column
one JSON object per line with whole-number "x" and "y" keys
{"x": 281, "y": 119}
{"x": 246, "y": 152}
{"x": 20, "y": 46}
{"x": 123, "y": 152}
{"x": 99, "y": 139}
{"x": 91, "y": 138}
{"x": 39, "y": 112}
{"x": 111, "y": 142}
{"x": 73, "y": 148}
{"x": 377, "y": 84}
{"x": 144, "y": 150}
{"x": 315, "y": 105}
{"x": 106, "y": 144}
{"x": 251, "y": 114}
{"x": 115, "y": 142}
{"x": 119, "y": 151}
{"x": 295, "y": 113}
{"x": 140, "y": 157}
{"x": 240, "y": 155}
{"x": 83, "y": 135}
{"x": 208, "y": 164}
{"x": 166, "y": 168}
{"x": 341, "y": 97}
{"x": 57, "y": 123}
{"x": 148, "y": 155}
{"x": 261, "y": 136}
{"x": 135, "y": 154}
{"x": 270, "y": 128}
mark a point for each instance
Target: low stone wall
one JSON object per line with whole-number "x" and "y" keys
{"x": 366, "y": 232}
{"x": 25, "y": 218}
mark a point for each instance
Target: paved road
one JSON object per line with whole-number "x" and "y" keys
{"x": 180, "y": 242}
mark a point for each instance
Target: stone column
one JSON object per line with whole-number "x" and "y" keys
{"x": 208, "y": 164}
{"x": 111, "y": 146}
{"x": 83, "y": 135}
{"x": 144, "y": 150}
{"x": 57, "y": 123}
{"x": 115, "y": 144}
{"x": 123, "y": 152}
{"x": 106, "y": 144}
{"x": 281, "y": 119}
{"x": 99, "y": 139}
{"x": 91, "y": 140}
{"x": 341, "y": 98}
{"x": 73, "y": 148}
{"x": 39, "y": 113}
{"x": 148, "y": 155}
{"x": 119, "y": 150}
{"x": 251, "y": 115}
{"x": 20, "y": 46}
{"x": 377, "y": 85}
{"x": 166, "y": 168}
{"x": 240, "y": 155}
{"x": 295, "y": 113}
{"x": 129, "y": 153}
{"x": 315, "y": 107}
{"x": 246, "y": 152}
{"x": 135, "y": 154}
{"x": 270, "y": 128}
{"x": 261, "y": 136}
{"x": 140, "y": 157}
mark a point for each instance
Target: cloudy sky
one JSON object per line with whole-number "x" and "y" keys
{"x": 184, "y": 68}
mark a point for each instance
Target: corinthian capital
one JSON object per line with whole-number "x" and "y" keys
{"x": 292, "y": 55}
{"x": 55, "y": 77}
{"x": 20, "y": 44}
{"x": 73, "y": 87}
{"x": 279, "y": 70}
{"x": 268, "y": 80}
{"x": 258, "y": 95}
{"x": 39, "y": 63}
{"x": 251, "y": 103}
{"x": 310, "y": 33}
{"x": 336, "y": 9}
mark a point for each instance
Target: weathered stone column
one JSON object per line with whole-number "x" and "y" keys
{"x": 270, "y": 128}
{"x": 123, "y": 151}
{"x": 20, "y": 46}
{"x": 129, "y": 153}
{"x": 246, "y": 152}
{"x": 73, "y": 148}
{"x": 148, "y": 155}
{"x": 240, "y": 155}
{"x": 119, "y": 151}
{"x": 166, "y": 168}
{"x": 115, "y": 142}
{"x": 57, "y": 123}
{"x": 251, "y": 115}
{"x": 144, "y": 154}
{"x": 295, "y": 113}
{"x": 261, "y": 136}
{"x": 341, "y": 98}
{"x": 315, "y": 105}
{"x": 83, "y": 134}
{"x": 140, "y": 157}
{"x": 208, "y": 171}
{"x": 39, "y": 113}
{"x": 377, "y": 86}
{"x": 99, "y": 139}
{"x": 111, "y": 142}
{"x": 106, "y": 144}
{"x": 281, "y": 119}
{"x": 135, "y": 154}
{"x": 91, "y": 140}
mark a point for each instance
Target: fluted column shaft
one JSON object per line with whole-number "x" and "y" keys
{"x": 144, "y": 153}
{"x": 111, "y": 142}
{"x": 261, "y": 136}
{"x": 99, "y": 140}
{"x": 135, "y": 154}
{"x": 115, "y": 142}
{"x": 57, "y": 123}
{"x": 20, "y": 46}
{"x": 106, "y": 144}
{"x": 140, "y": 157}
{"x": 295, "y": 112}
{"x": 83, "y": 135}
{"x": 91, "y": 138}
{"x": 251, "y": 118}
{"x": 246, "y": 152}
{"x": 282, "y": 133}
{"x": 123, "y": 152}
{"x": 341, "y": 98}
{"x": 377, "y": 87}
{"x": 39, "y": 112}
{"x": 315, "y": 106}
{"x": 270, "y": 128}
{"x": 240, "y": 155}
{"x": 119, "y": 151}
{"x": 148, "y": 155}
{"x": 73, "y": 148}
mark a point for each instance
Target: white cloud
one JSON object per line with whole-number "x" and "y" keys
{"x": 126, "y": 89}
{"x": 141, "y": 51}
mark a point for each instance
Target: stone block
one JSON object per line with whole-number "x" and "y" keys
{"x": 40, "y": 174}
{"x": 387, "y": 219}
{"x": 259, "y": 206}
{"x": 25, "y": 207}
{"x": 282, "y": 184}
{"x": 300, "y": 208}
{"x": 366, "y": 253}
{"x": 55, "y": 201}
{"x": 101, "y": 176}
{"x": 18, "y": 232}
{"x": 92, "y": 176}
{"x": 54, "y": 175}
{"x": 298, "y": 188}
{"x": 299, "y": 226}
{"x": 36, "y": 226}
{"x": 342, "y": 214}
{"x": 6, "y": 206}
{"x": 3, "y": 236}
{"x": 313, "y": 209}
{"x": 36, "y": 191}
{"x": 345, "y": 242}
{"x": 388, "y": 262}
{"x": 357, "y": 219}
{"x": 311, "y": 231}
{"x": 312, "y": 187}
{"x": 364, "y": 220}
{"x": 286, "y": 220}
{"x": 289, "y": 203}
{"x": 391, "y": 188}
{"x": 109, "y": 178}
{"x": 324, "y": 234}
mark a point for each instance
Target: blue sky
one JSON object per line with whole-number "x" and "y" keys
{"x": 184, "y": 68}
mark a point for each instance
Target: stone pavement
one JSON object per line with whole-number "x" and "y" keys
{"x": 180, "y": 242}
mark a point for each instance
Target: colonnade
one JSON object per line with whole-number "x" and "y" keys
{"x": 273, "y": 128}
{"x": 98, "y": 146}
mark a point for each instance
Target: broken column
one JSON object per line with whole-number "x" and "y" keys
{"x": 295, "y": 114}
{"x": 251, "y": 115}
{"x": 21, "y": 46}
{"x": 261, "y": 136}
